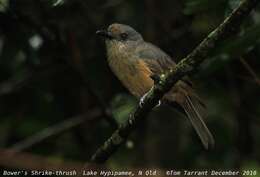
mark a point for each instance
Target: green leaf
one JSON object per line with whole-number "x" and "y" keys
{"x": 122, "y": 105}
{"x": 4, "y": 5}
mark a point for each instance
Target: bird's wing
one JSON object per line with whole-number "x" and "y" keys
{"x": 157, "y": 60}
{"x": 182, "y": 93}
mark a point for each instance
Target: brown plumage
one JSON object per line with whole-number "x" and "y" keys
{"x": 133, "y": 61}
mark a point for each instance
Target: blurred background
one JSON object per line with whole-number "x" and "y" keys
{"x": 59, "y": 100}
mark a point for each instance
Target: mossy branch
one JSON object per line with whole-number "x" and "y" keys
{"x": 230, "y": 26}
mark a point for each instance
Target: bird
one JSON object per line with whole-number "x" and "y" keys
{"x": 134, "y": 61}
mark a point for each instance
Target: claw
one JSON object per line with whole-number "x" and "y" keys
{"x": 141, "y": 103}
{"x": 159, "y": 104}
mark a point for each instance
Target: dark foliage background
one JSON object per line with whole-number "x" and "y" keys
{"x": 53, "y": 67}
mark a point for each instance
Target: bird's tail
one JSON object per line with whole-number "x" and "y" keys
{"x": 195, "y": 109}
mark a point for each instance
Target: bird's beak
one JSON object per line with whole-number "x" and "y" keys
{"x": 104, "y": 33}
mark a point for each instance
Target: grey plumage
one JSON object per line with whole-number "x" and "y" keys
{"x": 191, "y": 104}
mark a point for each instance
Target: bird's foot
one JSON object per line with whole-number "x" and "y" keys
{"x": 141, "y": 103}
{"x": 159, "y": 104}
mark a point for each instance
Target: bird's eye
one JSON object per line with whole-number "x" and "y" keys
{"x": 124, "y": 36}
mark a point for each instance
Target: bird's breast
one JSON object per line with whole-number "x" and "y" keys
{"x": 131, "y": 71}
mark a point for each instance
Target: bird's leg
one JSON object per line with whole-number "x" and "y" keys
{"x": 141, "y": 103}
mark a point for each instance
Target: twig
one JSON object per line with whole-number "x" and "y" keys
{"x": 50, "y": 36}
{"x": 27, "y": 161}
{"x": 12, "y": 85}
{"x": 230, "y": 26}
{"x": 250, "y": 70}
{"x": 55, "y": 130}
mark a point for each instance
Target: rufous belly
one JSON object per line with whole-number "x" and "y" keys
{"x": 134, "y": 75}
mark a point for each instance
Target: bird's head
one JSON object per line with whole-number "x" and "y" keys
{"x": 120, "y": 33}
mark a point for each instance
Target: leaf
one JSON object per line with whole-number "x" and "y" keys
{"x": 58, "y": 2}
{"x": 122, "y": 105}
{"x": 4, "y": 5}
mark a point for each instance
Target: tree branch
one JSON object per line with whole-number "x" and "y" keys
{"x": 229, "y": 27}
{"x": 27, "y": 161}
{"x": 55, "y": 130}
